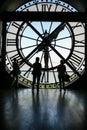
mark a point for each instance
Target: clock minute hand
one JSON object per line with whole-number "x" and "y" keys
{"x": 45, "y": 41}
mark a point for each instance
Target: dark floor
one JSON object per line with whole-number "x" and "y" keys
{"x": 47, "y": 110}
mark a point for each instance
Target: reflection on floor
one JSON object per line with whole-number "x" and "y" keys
{"x": 49, "y": 109}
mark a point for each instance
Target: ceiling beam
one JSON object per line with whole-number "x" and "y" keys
{"x": 44, "y": 16}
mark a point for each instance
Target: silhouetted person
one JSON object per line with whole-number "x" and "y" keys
{"x": 36, "y": 73}
{"x": 15, "y": 73}
{"x": 61, "y": 73}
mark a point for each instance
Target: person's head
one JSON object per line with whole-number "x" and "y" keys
{"x": 62, "y": 62}
{"x": 37, "y": 59}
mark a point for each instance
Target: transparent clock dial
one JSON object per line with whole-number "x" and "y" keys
{"x": 29, "y": 39}
{"x": 25, "y": 43}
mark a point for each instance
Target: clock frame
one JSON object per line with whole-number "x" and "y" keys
{"x": 75, "y": 61}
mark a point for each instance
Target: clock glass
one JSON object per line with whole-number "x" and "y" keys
{"x": 50, "y": 40}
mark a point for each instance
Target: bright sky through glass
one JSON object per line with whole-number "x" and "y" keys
{"x": 68, "y": 44}
{"x": 32, "y": 39}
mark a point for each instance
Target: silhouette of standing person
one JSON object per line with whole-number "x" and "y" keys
{"x": 36, "y": 73}
{"x": 61, "y": 73}
{"x": 15, "y": 73}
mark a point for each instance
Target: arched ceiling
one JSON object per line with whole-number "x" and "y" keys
{"x": 11, "y": 5}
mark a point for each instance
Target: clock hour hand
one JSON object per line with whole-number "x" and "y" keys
{"x": 35, "y": 50}
{"x": 51, "y": 36}
{"x": 48, "y": 39}
{"x": 55, "y": 33}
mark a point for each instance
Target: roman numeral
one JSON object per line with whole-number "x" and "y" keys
{"x": 80, "y": 43}
{"x": 77, "y": 25}
{"x": 16, "y": 25}
{"x": 46, "y": 7}
{"x": 18, "y": 58}
{"x": 75, "y": 60}
{"x": 27, "y": 10}
{"x": 64, "y": 10}
{"x": 11, "y": 42}
{"x": 80, "y": 47}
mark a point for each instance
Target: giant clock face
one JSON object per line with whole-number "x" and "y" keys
{"x": 51, "y": 41}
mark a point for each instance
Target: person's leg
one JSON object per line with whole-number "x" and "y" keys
{"x": 13, "y": 81}
{"x": 16, "y": 81}
{"x": 60, "y": 82}
{"x": 38, "y": 81}
{"x": 33, "y": 83}
{"x": 63, "y": 84}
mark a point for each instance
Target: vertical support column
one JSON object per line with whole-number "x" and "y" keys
{"x": 3, "y": 52}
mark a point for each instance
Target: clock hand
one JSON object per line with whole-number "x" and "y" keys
{"x": 49, "y": 39}
{"x": 64, "y": 60}
{"x": 46, "y": 40}
{"x": 35, "y": 50}
{"x": 55, "y": 33}
{"x": 51, "y": 36}
{"x": 35, "y": 30}
{"x": 24, "y": 36}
